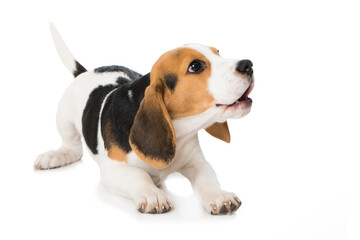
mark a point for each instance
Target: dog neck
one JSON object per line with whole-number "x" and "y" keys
{"x": 189, "y": 126}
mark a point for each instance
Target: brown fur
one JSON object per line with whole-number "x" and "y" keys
{"x": 190, "y": 96}
{"x": 115, "y": 153}
{"x": 214, "y": 50}
{"x": 151, "y": 161}
{"x": 152, "y": 135}
{"x": 220, "y": 131}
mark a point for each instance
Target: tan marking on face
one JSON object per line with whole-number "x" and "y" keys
{"x": 117, "y": 154}
{"x": 190, "y": 95}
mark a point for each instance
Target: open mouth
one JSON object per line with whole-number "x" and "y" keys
{"x": 243, "y": 99}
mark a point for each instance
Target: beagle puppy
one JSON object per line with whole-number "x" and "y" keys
{"x": 141, "y": 128}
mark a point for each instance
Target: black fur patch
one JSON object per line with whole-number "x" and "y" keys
{"x": 171, "y": 81}
{"x": 119, "y": 112}
{"x": 79, "y": 69}
{"x": 90, "y": 117}
{"x": 122, "y": 81}
{"x": 114, "y": 68}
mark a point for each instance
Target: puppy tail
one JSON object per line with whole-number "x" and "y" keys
{"x": 66, "y": 57}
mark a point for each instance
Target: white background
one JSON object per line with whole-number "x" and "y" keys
{"x": 292, "y": 160}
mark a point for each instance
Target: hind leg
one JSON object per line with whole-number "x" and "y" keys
{"x": 71, "y": 148}
{"x": 69, "y": 152}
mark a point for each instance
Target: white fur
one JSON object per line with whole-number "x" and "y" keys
{"x": 136, "y": 179}
{"x": 63, "y": 51}
{"x": 225, "y": 84}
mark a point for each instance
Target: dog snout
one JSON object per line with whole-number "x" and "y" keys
{"x": 245, "y": 67}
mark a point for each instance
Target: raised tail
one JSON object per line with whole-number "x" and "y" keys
{"x": 66, "y": 57}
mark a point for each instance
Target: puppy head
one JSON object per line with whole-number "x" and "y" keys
{"x": 185, "y": 82}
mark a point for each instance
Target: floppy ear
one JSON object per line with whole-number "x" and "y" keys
{"x": 220, "y": 131}
{"x": 152, "y": 135}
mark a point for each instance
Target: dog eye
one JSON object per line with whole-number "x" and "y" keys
{"x": 196, "y": 67}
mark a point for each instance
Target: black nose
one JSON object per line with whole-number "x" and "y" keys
{"x": 245, "y": 67}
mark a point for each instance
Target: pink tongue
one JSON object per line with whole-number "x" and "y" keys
{"x": 244, "y": 97}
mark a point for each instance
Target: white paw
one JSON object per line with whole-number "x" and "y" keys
{"x": 153, "y": 201}
{"x": 55, "y": 159}
{"x": 221, "y": 203}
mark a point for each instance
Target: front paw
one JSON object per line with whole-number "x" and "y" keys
{"x": 220, "y": 203}
{"x": 153, "y": 201}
